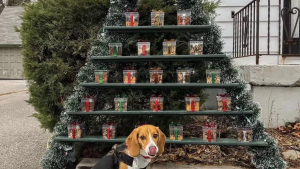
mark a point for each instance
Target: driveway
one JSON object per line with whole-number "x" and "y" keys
{"x": 22, "y": 141}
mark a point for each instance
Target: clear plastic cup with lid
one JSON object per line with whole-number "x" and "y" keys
{"x": 121, "y": 104}
{"x": 183, "y": 75}
{"x": 143, "y": 48}
{"x": 169, "y": 47}
{"x": 213, "y": 76}
{"x": 157, "y": 103}
{"x": 184, "y": 17}
{"x": 132, "y": 18}
{"x": 129, "y": 76}
{"x": 115, "y": 49}
{"x": 192, "y": 103}
{"x": 157, "y": 18}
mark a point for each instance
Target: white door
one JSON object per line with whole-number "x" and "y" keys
{"x": 10, "y": 63}
{"x": 295, "y": 48}
{"x": 295, "y": 3}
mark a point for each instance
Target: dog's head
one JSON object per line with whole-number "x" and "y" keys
{"x": 147, "y": 140}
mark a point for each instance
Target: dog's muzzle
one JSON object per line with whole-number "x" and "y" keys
{"x": 152, "y": 151}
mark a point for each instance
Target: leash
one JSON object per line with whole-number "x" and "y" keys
{"x": 126, "y": 159}
{"x": 49, "y": 141}
{"x": 121, "y": 156}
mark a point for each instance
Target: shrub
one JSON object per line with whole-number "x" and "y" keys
{"x": 56, "y": 36}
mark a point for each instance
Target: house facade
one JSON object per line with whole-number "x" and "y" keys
{"x": 10, "y": 43}
{"x": 263, "y": 38}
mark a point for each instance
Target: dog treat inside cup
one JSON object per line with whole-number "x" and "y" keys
{"x": 74, "y": 130}
{"x": 196, "y": 47}
{"x": 169, "y": 47}
{"x": 157, "y": 18}
{"x": 120, "y": 104}
{"x": 192, "y": 103}
{"x": 71, "y": 130}
{"x": 101, "y": 76}
{"x": 132, "y": 18}
{"x": 183, "y": 75}
{"x": 210, "y": 132}
{"x": 109, "y": 130}
{"x": 224, "y": 102}
{"x": 88, "y": 104}
{"x": 143, "y": 48}
{"x": 213, "y": 76}
{"x": 156, "y": 103}
{"x": 184, "y": 17}
{"x": 129, "y": 76}
{"x": 156, "y": 75}
{"x": 176, "y": 132}
{"x": 115, "y": 49}
{"x": 244, "y": 134}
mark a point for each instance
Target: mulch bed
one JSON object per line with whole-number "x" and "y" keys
{"x": 286, "y": 141}
{"x": 210, "y": 154}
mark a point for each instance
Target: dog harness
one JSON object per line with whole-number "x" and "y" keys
{"x": 113, "y": 158}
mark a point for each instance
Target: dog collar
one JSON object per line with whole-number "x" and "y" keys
{"x": 146, "y": 157}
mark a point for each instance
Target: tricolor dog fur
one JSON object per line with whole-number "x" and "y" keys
{"x": 143, "y": 144}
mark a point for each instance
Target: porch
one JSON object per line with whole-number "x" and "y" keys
{"x": 267, "y": 31}
{"x": 265, "y": 45}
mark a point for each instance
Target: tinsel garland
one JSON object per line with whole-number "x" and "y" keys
{"x": 59, "y": 153}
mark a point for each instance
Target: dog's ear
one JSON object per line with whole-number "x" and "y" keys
{"x": 133, "y": 144}
{"x": 161, "y": 141}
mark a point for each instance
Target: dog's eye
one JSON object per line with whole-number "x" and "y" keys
{"x": 143, "y": 138}
{"x": 155, "y": 136}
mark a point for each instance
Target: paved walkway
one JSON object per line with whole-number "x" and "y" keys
{"x": 173, "y": 166}
{"x": 22, "y": 141}
{"x": 11, "y": 86}
{"x": 90, "y": 162}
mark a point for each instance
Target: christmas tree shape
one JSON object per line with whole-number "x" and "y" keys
{"x": 112, "y": 83}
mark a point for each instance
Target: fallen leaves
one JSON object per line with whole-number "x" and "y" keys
{"x": 286, "y": 142}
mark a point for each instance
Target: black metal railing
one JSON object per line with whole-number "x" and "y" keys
{"x": 245, "y": 24}
{"x": 246, "y": 30}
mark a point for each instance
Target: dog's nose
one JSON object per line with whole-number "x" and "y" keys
{"x": 152, "y": 150}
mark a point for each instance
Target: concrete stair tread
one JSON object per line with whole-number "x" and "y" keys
{"x": 88, "y": 163}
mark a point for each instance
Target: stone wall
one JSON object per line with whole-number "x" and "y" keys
{"x": 277, "y": 89}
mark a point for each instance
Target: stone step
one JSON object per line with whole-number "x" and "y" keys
{"x": 88, "y": 163}
{"x": 177, "y": 166}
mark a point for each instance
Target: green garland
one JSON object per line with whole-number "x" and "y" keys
{"x": 264, "y": 157}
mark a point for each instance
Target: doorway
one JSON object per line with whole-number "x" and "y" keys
{"x": 291, "y": 23}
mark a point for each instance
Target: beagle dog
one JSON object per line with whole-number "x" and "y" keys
{"x": 142, "y": 145}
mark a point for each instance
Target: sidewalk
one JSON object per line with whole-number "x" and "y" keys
{"x": 173, "y": 166}
{"x": 12, "y": 86}
{"x": 22, "y": 140}
{"x": 90, "y": 162}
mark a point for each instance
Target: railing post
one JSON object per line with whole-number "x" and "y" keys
{"x": 257, "y": 32}
{"x": 233, "y": 32}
